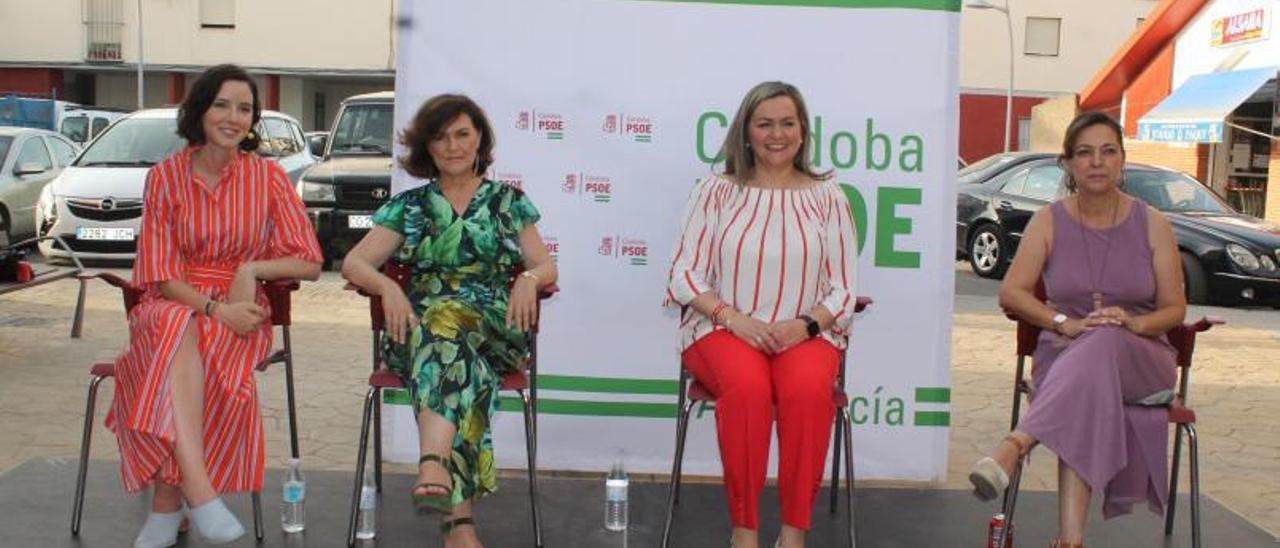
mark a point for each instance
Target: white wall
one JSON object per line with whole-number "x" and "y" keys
{"x": 324, "y": 34}
{"x": 41, "y": 31}
{"x": 1196, "y": 54}
{"x": 1091, "y": 32}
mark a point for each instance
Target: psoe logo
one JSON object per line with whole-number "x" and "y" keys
{"x": 630, "y": 250}
{"x": 542, "y": 123}
{"x": 598, "y": 188}
{"x": 510, "y": 179}
{"x": 638, "y": 128}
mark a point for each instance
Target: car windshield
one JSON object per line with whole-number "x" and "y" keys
{"x": 4, "y": 147}
{"x": 134, "y": 142}
{"x": 1172, "y": 191}
{"x": 977, "y": 171}
{"x": 363, "y": 129}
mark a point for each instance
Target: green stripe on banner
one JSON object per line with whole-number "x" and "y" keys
{"x": 592, "y": 408}
{"x": 396, "y": 396}
{"x": 933, "y": 418}
{"x": 933, "y": 395}
{"x": 934, "y": 5}
{"x": 609, "y": 385}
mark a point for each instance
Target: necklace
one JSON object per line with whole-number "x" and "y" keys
{"x": 1094, "y": 280}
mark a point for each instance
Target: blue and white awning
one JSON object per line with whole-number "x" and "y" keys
{"x": 1196, "y": 111}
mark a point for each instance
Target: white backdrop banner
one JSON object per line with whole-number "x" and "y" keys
{"x": 607, "y": 111}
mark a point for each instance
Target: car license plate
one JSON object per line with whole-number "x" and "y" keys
{"x": 359, "y": 221}
{"x": 100, "y": 233}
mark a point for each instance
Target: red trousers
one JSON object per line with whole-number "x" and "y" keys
{"x": 751, "y": 387}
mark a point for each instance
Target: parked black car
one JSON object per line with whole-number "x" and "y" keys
{"x": 1227, "y": 257}
{"x": 354, "y": 178}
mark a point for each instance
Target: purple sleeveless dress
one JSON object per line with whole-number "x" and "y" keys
{"x": 1079, "y": 407}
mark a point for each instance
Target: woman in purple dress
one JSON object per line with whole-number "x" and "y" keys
{"x": 1110, "y": 268}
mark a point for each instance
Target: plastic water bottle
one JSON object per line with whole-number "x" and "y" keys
{"x": 293, "y": 500}
{"x": 615, "y": 498}
{"x": 366, "y": 519}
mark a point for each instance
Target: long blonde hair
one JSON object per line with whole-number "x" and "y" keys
{"x": 739, "y": 161}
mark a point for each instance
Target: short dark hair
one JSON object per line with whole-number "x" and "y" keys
{"x": 201, "y": 97}
{"x": 433, "y": 117}
{"x": 1083, "y": 121}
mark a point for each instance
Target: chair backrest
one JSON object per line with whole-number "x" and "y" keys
{"x": 1182, "y": 338}
{"x": 278, "y": 293}
{"x": 402, "y": 274}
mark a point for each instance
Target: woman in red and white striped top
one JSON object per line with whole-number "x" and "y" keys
{"x": 216, "y": 219}
{"x": 765, "y": 270}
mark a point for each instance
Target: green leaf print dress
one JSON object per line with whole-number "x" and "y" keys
{"x": 456, "y": 356}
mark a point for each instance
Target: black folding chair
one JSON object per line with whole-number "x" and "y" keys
{"x": 279, "y": 293}
{"x": 524, "y": 382}
{"x": 691, "y": 393}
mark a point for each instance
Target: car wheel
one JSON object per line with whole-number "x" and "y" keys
{"x": 987, "y": 252}
{"x": 1193, "y": 280}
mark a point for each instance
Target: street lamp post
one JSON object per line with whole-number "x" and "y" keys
{"x": 1008, "y": 97}
{"x": 140, "y": 61}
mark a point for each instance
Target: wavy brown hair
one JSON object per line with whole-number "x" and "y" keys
{"x": 433, "y": 117}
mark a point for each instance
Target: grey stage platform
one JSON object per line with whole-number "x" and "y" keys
{"x": 35, "y": 508}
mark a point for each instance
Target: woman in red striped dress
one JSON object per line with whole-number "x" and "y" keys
{"x": 216, "y": 219}
{"x": 765, "y": 271}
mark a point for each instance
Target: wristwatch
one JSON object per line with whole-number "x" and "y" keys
{"x": 811, "y": 325}
{"x": 1059, "y": 320}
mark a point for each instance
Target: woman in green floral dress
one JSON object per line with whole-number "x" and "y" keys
{"x": 463, "y": 322}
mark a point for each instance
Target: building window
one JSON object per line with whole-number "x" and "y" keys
{"x": 218, "y": 14}
{"x": 103, "y": 23}
{"x": 1024, "y": 134}
{"x": 1141, "y": 20}
{"x": 1042, "y": 36}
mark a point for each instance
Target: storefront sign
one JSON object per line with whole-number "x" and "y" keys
{"x": 1238, "y": 28}
{"x": 1180, "y": 132}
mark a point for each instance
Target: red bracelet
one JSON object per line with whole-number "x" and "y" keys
{"x": 715, "y": 313}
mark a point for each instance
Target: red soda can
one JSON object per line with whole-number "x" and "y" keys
{"x": 996, "y": 528}
{"x": 24, "y": 271}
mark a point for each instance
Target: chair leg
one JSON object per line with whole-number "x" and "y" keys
{"x": 1174, "y": 468}
{"x": 835, "y": 463}
{"x": 1010, "y": 502}
{"x": 531, "y": 451}
{"x": 289, "y": 393}
{"x": 77, "y": 320}
{"x": 257, "y": 516}
{"x": 77, "y": 509}
{"x": 848, "y": 467}
{"x": 1194, "y": 450}
{"x": 369, "y": 400}
{"x": 673, "y": 491}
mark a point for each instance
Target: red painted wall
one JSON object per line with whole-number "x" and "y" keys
{"x": 32, "y": 80}
{"x": 1151, "y": 86}
{"x": 982, "y": 123}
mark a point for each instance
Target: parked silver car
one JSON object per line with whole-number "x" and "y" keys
{"x": 95, "y": 205}
{"x": 29, "y": 159}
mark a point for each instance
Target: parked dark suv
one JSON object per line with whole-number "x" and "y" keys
{"x": 354, "y": 177}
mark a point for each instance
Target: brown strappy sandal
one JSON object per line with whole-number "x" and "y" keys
{"x": 433, "y": 497}
{"x": 447, "y": 526}
{"x": 1065, "y": 544}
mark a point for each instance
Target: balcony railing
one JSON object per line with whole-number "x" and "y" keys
{"x": 103, "y": 29}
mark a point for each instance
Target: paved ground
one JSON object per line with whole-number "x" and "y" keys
{"x": 1235, "y": 388}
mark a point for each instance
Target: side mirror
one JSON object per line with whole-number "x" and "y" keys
{"x": 31, "y": 168}
{"x": 316, "y": 144}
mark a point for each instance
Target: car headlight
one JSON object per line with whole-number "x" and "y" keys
{"x": 1243, "y": 257}
{"x": 48, "y": 204}
{"x": 1266, "y": 264}
{"x": 311, "y": 191}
